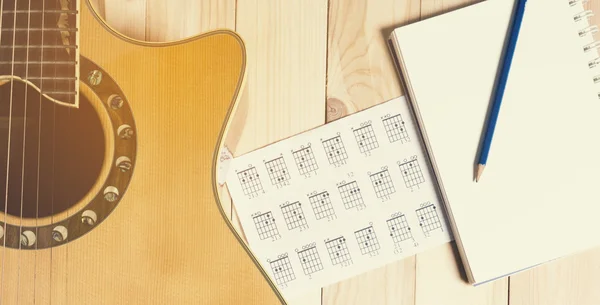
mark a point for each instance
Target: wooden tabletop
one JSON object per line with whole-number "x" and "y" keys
{"x": 312, "y": 61}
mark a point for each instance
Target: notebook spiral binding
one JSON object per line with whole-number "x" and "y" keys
{"x": 586, "y": 31}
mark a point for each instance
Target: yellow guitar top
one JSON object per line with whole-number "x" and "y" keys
{"x": 109, "y": 146}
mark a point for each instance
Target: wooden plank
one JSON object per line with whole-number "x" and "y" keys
{"x": 360, "y": 71}
{"x": 361, "y": 74}
{"x": 392, "y": 284}
{"x": 571, "y": 280}
{"x": 285, "y": 87}
{"x": 439, "y": 270}
{"x": 127, "y": 17}
{"x": 167, "y": 21}
{"x": 286, "y": 43}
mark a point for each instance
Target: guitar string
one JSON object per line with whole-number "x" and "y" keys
{"x": 24, "y": 141}
{"x": 60, "y": 42}
{"x": 39, "y": 136}
{"x": 6, "y": 198}
{"x": 10, "y": 107}
{"x": 56, "y": 43}
{"x": 24, "y": 137}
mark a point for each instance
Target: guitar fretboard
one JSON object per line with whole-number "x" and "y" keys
{"x": 39, "y": 43}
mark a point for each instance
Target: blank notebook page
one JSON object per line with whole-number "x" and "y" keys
{"x": 537, "y": 200}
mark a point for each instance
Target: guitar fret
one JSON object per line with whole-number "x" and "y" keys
{"x": 41, "y": 11}
{"x": 40, "y": 47}
{"x": 40, "y": 30}
{"x": 38, "y": 62}
{"x": 60, "y": 92}
{"x": 51, "y": 78}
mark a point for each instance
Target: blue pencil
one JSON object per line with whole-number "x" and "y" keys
{"x": 501, "y": 85}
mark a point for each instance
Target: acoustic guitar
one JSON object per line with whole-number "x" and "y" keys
{"x": 108, "y": 162}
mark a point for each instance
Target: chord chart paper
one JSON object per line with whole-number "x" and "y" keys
{"x": 367, "y": 240}
{"x": 366, "y": 139}
{"x": 395, "y": 128}
{"x": 325, "y": 208}
{"x": 321, "y": 205}
{"x": 277, "y": 170}
{"x": 338, "y": 251}
{"x": 351, "y": 195}
{"x": 293, "y": 215}
{"x": 428, "y": 219}
{"x": 265, "y": 225}
{"x": 412, "y": 174}
{"x": 282, "y": 268}
{"x": 399, "y": 229}
{"x": 382, "y": 183}
{"x": 250, "y": 181}
{"x": 305, "y": 160}
{"x": 335, "y": 150}
{"x": 310, "y": 260}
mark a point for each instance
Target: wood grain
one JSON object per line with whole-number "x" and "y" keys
{"x": 168, "y": 22}
{"x": 360, "y": 71}
{"x": 128, "y": 16}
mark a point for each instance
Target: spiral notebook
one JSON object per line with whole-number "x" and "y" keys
{"x": 538, "y": 198}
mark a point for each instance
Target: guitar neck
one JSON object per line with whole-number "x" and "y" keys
{"x": 39, "y": 44}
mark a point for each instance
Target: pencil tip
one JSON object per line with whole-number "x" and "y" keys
{"x": 480, "y": 169}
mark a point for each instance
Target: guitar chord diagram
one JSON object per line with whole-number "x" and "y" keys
{"x": 382, "y": 183}
{"x": 310, "y": 260}
{"x": 351, "y": 196}
{"x": 428, "y": 219}
{"x": 277, "y": 170}
{"x": 367, "y": 240}
{"x": 366, "y": 139}
{"x": 282, "y": 270}
{"x": 396, "y": 129}
{"x": 293, "y": 215}
{"x": 305, "y": 160}
{"x": 265, "y": 225}
{"x": 412, "y": 174}
{"x": 321, "y": 205}
{"x": 335, "y": 150}
{"x": 250, "y": 181}
{"x": 338, "y": 251}
{"x": 399, "y": 229}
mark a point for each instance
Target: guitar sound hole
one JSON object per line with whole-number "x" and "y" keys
{"x": 56, "y": 162}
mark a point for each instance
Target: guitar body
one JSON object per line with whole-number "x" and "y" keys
{"x": 161, "y": 238}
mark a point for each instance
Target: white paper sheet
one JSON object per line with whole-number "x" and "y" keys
{"x": 339, "y": 200}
